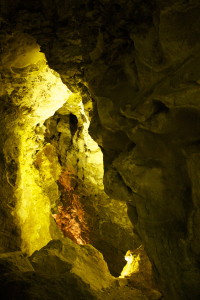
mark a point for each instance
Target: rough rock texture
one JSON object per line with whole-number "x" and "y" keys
{"x": 138, "y": 273}
{"x": 139, "y": 61}
{"x": 61, "y": 270}
{"x": 53, "y": 273}
{"x": 30, "y": 93}
{"x": 106, "y": 225}
{"x": 51, "y": 160}
{"x": 84, "y": 261}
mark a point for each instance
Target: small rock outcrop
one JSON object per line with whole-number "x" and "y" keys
{"x": 61, "y": 270}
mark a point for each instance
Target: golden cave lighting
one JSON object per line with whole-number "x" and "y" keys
{"x": 41, "y": 95}
{"x": 129, "y": 257}
{"x": 71, "y": 217}
{"x": 132, "y": 265}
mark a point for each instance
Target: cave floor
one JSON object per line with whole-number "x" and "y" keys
{"x": 128, "y": 289}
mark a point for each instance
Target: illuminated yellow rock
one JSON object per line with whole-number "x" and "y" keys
{"x": 138, "y": 273}
{"x": 32, "y": 94}
{"x": 138, "y": 266}
{"x": 85, "y": 149}
{"x": 132, "y": 265}
{"x": 39, "y": 95}
{"x": 84, "y": 261}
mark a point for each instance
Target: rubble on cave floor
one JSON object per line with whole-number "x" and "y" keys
{"x": 64, "y": 270}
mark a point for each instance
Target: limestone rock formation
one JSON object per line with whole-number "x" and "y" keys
{"x": 61, "y": 270}
{"x": 84, "y": 261}
{"x": 46, "y": 276}
{"x": 137, "y": 63}
{"x": 50, "y": 160}
{"x": 138, "y": 272}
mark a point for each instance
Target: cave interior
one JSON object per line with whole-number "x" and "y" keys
{"x": 100, "y": 150}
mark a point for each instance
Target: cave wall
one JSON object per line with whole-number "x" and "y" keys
{"x": 28, "y": 90}
{"x": 139, "y": 62}
{"x": 53, "y": 168}
{"x": 104, "y": 223}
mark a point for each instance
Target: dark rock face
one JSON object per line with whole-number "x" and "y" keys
{"x": 52, "y": 280}
{"x": 139, "y": 62}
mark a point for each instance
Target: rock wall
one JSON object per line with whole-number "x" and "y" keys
{"x": 61, "y": 270}
{"x": 28, "y": 92}
{"x": 53, "y": 168}
{"x": 52, "y": 165}
{"x": 139, "y": 62}
{"x": 102, "y": 221}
